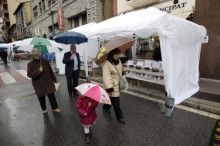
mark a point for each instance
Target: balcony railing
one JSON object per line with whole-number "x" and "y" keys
{"x": 141, "y": 3}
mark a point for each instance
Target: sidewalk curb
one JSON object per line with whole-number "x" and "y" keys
{"x": 192, "y": 102}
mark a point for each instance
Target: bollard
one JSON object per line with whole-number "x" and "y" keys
{"x": 88, "y": 80}
{"x": 56, "y": 70}
{"x": 169, "y": 106}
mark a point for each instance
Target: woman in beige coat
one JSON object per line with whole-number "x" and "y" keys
{"x": 112, "y": 71}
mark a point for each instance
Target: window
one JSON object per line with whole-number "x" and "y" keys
{"x": 84, "y": 19}
{"x": 40, "y": 7}
{"x": 35, "y": 12}
{"x": 22, "y": 18}
{"x": 49, "y": 3}
{"x": 76, "y": 21}
{"x": 43, "y": 5}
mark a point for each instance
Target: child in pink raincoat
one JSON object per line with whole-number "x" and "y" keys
{"x": 86, "y": 109}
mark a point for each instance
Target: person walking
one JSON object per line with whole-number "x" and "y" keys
{"x": 112, "y": 68}
{"x": 86, "y": 109}
{"x": 43, "y": 79}
{"x": 72, "y": 61}
{"x": 4, "y": 56}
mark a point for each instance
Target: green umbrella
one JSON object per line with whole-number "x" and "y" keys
{"x": 44, "y": 45}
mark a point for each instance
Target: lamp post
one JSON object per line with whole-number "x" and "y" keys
{"x": 51, "y": 13}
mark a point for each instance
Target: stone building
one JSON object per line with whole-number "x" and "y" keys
{"x": 23, "y": 19}
{"x": 75, "y": 13}
{"x": 1, "y": 32}
{"x": 7, "y": 8}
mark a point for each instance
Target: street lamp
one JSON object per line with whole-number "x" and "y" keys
{"x": 51, "y": 13}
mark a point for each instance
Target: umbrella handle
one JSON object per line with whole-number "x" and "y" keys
{"x": 88, "y": 106}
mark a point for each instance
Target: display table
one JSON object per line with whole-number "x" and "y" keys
{"x": 91, "y": 68}
{"x": 151, "y": 72}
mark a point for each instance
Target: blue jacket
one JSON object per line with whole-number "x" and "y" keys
{"x": 70, "y": 63}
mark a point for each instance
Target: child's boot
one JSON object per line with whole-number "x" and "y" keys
{"x": 88, "y": 140}
{"x": 90, "y": 130}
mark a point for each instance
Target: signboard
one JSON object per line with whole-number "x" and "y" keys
{"x": 183, "y": 6}
{"x": 140, "y": 63}
{"x": 130, "y": 62}
{"x": 60, "y": 18}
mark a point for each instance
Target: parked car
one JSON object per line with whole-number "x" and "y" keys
{"x": 19, "y": 54}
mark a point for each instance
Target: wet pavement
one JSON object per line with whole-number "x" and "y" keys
{"x": 23, "y": 123}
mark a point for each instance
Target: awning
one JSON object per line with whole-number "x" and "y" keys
{"x": 185, "y": 15}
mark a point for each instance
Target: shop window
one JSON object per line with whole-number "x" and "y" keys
{"x": 145, "y": 47}
{"x": 35, "y": 12}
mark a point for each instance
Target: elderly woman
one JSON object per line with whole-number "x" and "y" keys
{"x": 43, "y": 80}
{"x": 112, "y": 71}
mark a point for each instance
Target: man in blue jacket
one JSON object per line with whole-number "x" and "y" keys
{"x": 72, "y": 68}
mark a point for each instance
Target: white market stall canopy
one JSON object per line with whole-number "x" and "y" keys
{"x": 180, "y": 45}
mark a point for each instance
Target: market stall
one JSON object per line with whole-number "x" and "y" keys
{"x": 180, "y": 42}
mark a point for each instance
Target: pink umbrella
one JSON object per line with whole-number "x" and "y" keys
{"x": 94, "y": 92}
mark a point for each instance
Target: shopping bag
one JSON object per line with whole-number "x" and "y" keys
{"x": 57, "y": 85}
{"x": 123, "y": 83}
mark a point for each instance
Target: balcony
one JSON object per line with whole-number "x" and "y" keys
{"x": 140, "y": 3}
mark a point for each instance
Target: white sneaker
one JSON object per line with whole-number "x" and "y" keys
{"x": 57, "y": 110}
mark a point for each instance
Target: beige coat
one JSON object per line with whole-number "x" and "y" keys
{"x": 111, "y": 78}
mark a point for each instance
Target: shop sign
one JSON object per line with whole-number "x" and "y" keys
{"x": 182, "y": 6}
{"x": 60, "y": 18}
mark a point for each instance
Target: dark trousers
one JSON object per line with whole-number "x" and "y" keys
{"x": 116, "y": 105}
{"x": 72, "y": 82}
{"x": 52, "y": 100}
{"x": 5, "y": 60}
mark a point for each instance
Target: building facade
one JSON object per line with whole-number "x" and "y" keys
{"x": 8, "y": 7}
{"x": 1, "y": 31}
{"x": 74, "y": 13}
{"x": 207, "y": 13}
{"x": 23, "y": 19}
{"x": 202, "y": 12}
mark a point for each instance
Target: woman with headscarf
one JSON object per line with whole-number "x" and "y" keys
{"x": 112, "y": 72}
{"x": 43, "y": 79}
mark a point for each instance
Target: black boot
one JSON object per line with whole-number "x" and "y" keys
{"x": 88, "y": 140}
{"x": 90, "y": 130}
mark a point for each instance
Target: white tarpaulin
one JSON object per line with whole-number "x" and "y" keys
{"x": 180, "y": 45}
{"x": 89, "y": 49}
{"x": 85, "y": 50}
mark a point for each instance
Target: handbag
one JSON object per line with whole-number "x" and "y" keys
{"x": 123, "y": 84}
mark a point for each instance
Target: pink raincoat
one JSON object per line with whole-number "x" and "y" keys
{"x": 82, "y": 108}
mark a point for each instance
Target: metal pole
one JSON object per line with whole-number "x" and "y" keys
{"x": 53, "y": 24}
